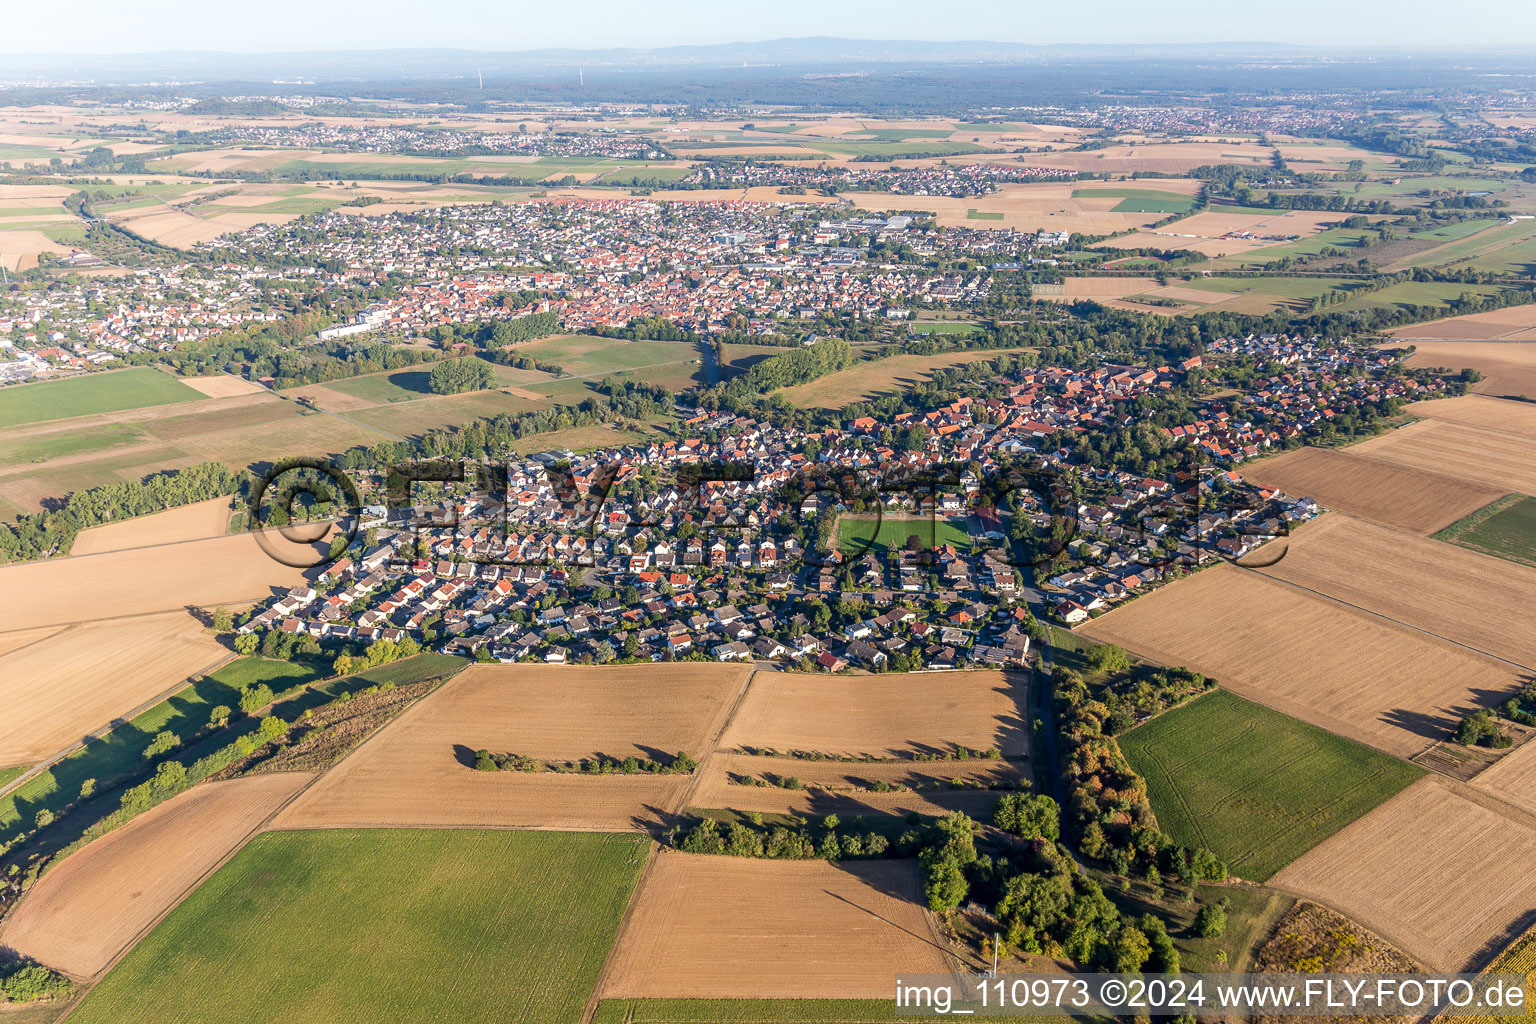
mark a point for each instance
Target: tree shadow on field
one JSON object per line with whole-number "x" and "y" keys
{"x": 463, "y": 755}
{"x": 1430, "y": 727}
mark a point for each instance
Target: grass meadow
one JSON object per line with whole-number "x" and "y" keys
{"x": 1505, "y": 529}
{"x": 115, "y": 391}
{"x": 339, "y": 926}
{"x": 1256, "y": 787}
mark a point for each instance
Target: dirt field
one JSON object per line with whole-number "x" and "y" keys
{"x": 19, "y": 249}
{"x": 20, "y": 638}
{"x": 1204, "y": 232}
{"x": 1467, "y": 888}
{"x": 188, "y": 522}
{"x": 60, "y": 689}
{"x": 1494, "y": 414}
{"x": 202, "y": 573}
{"x": 1466, "y": 597}
{"x": 1490, "y": 326}
{"x": 843, "y": 788}
{"x": 88, "y": 909}
{"x": 707, "y": 926}
{"x": 1344, "y": 671}
{"x": 1410, "y": 499}
{"x": 1483, "y": 456}
{"x": 1513, "y": 777}
{"x": 223, "y": 385}
{"x": 1508, "y": 367}
{"x": 1048, "y": 206}
{"x": 418, "y": 770}
{"x": 886, "y": 716}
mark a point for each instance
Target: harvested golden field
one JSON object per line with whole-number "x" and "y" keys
{"x": 187, "y": 522}
{"x": 1508, "y": 367}
{"x": 891, "y": 715}
{"x": 1490, "y": 326}
{"x": 1482, "y": 602}
{"x": 755, "y": 194}
{"x": 82, "y": 678}
{"x": 200, "y": 573}
{"x": 19, "y": 249}
{"x": 846, "y": 789}
{"x": 419, "y": 770}
{"x": 1466, "y": 884}
{"x": 1350, "y": 673}
{"x": 1411, "y": 499}
{"x": 1045, "y": 206}
{"x": 1512, "y": 777}
{"x": 1493, "y": 457}
{"x": 1167, "y": 157}
{"x": 19, "y": 638}
{"x": 870, "y": 378}
{"x": 87, "y": 910}
{"x": 1479, "y": 411}
{"x": 1207, "y": 232}
{"x": 707, "y": 926}
{"x": 223, "y": 385}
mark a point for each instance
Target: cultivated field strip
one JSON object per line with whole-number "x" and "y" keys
{"x": 1348, "y": 672}
{"x": 1475, "y": 454}
{"x": 708, "y": 926}
{"x": 1410, "y": 499}
{"x": 85, "y": 912}
{"x": 1445, "y": 875}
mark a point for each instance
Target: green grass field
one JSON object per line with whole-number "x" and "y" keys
{"x": 1505, "y": 529}
{"x": 7, "y": 774}
{"x": 582, "y": 355}
{"x": 368, "y": 925}
{"x": 42, "y": 447}
{"x": 135, "y": 388}
{"x": 1139, "y": 200}
{"x": 886, "y": 534}
{"x": 982, "y": 215}
{"x": 410, "y": 383}
{"x": 1256, "y": 787}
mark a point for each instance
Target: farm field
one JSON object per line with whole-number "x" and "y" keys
{"x": 845, "y": 789}
{"x": 80, "y": 679}
{"x": 1256, "y": 787}
{"x": 419, "y": 770}
{"x": 1045, "y": 206}
{"x": 750, "y": 1011}
{"x": 1508, "y": 367}
{"x": 496, "y": 926}
{"x": 1491, "y": 326}
{"x": 110, "y": 391}
{"x": 89, "y": 908}
{"x": 1512, "y": 778}
{"x": 581, "y": 355}
{"x": 1434, "y": 587}
{"x": 223, "y": 385}
{"x": 1356, "y": 675}
{"x": 710, "y": 927}
{"x": 1233, "y": 232}
{"x": 871, "y": 378}
{"x": 1482, "y": 250}
{"x": 892, "y": 715}
{"x": 412, "y": 383}
{"x": 1492, "y": 457}
{"x": 1518, "y": 418}
{"x": 201, "y": 573}
{"x": 196, "y": 521}
{"x": 1519, "y": 957}
{"x": 1409, "y": 499}
{"x": 857, "y": 535}
{"x": 1455, "y": 902}
{"x": 1504, "y": 529}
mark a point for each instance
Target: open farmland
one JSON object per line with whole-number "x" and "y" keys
{"x": 200, "y": 573}
{"x": 1044, "y": 206}
{"x": 196, "y": 521}
{"x": 1350, "y": 673}
{"x": 892, "y": 715}
{"x": 1508, "y": 367}
{"x": 1467, "y": 598}
{"x": 1512, "y": 777}
{"x": 419, "y": 770}
{"x": 355, "y": 927}
{"x": 76, "y": 681}
{"x": 1493, "y": 325}
{"x": 709, "y": 926}
{"x": 89, "y": 908}
{"x": 1505, "y": 529}
{"x": 871, "y": 378}
{"x": 1519, "y": 957}
{"x": 1518, "y": 418}
{"x": 111, "y": 391}
{"x": 1229, "y": 231}
{"x": 1466, "y": 887}
{"x": 1252, "y": 785}
{"x": 1485, "y": 456}
{"x": 1410, "y": 499}
{"x": 845, "y": 789}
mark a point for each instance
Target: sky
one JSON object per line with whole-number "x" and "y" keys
{"x": 127, "y": 26}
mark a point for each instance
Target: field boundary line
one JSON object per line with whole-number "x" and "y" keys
{"x": 685, "y": 797}
{"x": 107, "y": 730}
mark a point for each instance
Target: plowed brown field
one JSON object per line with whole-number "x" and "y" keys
{"x": 1483, "y": 456}
{"x": 1483, "y": 602}
{"x": 1412, "y": 499}
{"x": 1513, "y": 777}
{"x": 1442, "y": 873}
{"x": 885, "y": 716}
{"x": 89, "y": 908}
{"x": 1350, "y": 673}
{"x": 707, "y": 926}
{"x": 1508, "y": 367}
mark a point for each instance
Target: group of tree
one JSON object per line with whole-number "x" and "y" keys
{"x": 456, "y": 376}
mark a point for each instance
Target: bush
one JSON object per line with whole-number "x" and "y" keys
{"x": 34, "y": 982}
{"x": 164, "y": 742}
{"x": 1028, "y": 817}
{"x": 1211, "y": 922}
{"x": 253, "y": 697}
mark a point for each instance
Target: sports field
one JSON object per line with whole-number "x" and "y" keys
{"x": 384, "y": 924}
{"x": 885, "y": 535}
{"x": 1256, "y": 787}
{"x": 136, "y": 388}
